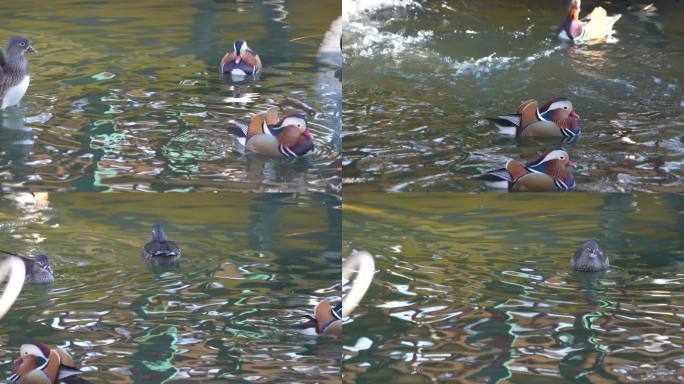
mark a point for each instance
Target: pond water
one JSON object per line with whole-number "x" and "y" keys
{"x": 478, "y": 288}
{"x": 421, "y": 77}
{"x": 126, "y": 95}
{"x": 251, "y": 267}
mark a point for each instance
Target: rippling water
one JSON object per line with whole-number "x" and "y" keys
{"x": 478, "y": 288}
{"x": 126, "y": 95}
{"x": 251, "y": 266}
{"x": 422, "y": 76}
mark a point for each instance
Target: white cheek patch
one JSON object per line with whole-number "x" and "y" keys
{"x": 553, "y": 155}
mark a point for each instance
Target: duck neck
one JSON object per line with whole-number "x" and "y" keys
{"x": 16, "y": 64}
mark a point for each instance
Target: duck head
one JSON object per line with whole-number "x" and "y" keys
{"x": 158, "y": 233}
{"x": 590, "y": 258}
{"x": 556, "y": 163}
{"x": 33, "y": 356}
{"x": 41, "y": 271}
{"x": 561, "y": 113}
{"x": 297, "y": 120}
{"x": 18, "y": 45}
{"x": 240, "y": 47}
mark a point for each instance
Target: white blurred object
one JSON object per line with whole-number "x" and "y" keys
{"x": 363, "y": 265}
{"x": 12, "y": 269}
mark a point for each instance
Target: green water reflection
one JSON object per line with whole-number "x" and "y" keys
{"x": 251, "y": 267}
{"x": 478, "y": 288}
{"x": 126, "y": 95}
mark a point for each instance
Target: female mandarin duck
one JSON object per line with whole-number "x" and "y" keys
{"x": 160, "y": 250}
{"x": 546, "y": 174}
{"x": 327, "y": 320}
{"x": 38, "y": 270}
{"x": 596, "y": 25}
{"x": 268, "y": 134}
{"x": 554, "y": 119}
{"x": 14, "y": 74}
{"x": 38, "y": 364}
{"x": 241, "y": 62}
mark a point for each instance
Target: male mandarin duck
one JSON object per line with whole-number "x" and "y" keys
{"x": 38, "y": 364}
{"x": 241, "y": 62}
{"x": 160, "y": 250}
{"x": 550, "y": 172}
{"x": 268, "y": 134}
{"x": 556, "y": 118}
{"x": 326, "y": 319}
{"x": 14, "y": 73}
{"x": 595, "y": 25}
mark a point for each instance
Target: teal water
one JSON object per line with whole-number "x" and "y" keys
{"x": 251, "y": 267}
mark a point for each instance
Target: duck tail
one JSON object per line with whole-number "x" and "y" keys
{"x": 239, "y": 129}
{"x": 496, "y": 175}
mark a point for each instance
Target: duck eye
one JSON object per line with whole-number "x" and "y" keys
{"x": 22, "y": 43}
{"x": 565, "y": 107}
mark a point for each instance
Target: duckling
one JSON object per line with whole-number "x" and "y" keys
{"x": 38, "y": 364}
{"x": 13, "y": 269}
{"x": 555, "y": 118}
{"x": 241, "y": 62}
{"x": 596, "y": 25}
{"x": 160, "y": 250}
{"x": 546, "y": 174}
{"x": 270, "y": 135}
{"x": 14, "y": 72}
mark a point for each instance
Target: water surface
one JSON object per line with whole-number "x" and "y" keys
{"x": 422, "y": 76}
{"x": 251, "y": 267}
{"x": 126, "y": 95}
{"x": 478, "y": 288}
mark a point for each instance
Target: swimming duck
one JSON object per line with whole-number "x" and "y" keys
{"x": 595, "y": 25}
{"x": 38, "y": 364}
{"x": 38, "y": 270}
{"x": 14, "y": 73}
{"x": 546, "y": 174}
{"x": 554, "y": 119}
{"x": 241, "y": 62}
{"x": 589, "y": 258}
{"x": 268, "y": 134}
{"x": 13, "y": 269}
{"x": 160, "y": 250}
{"x": 328, "y": 320}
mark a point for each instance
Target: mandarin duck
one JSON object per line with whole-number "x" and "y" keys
{"x": 326, "y": 320}
{"x": 38, "y": 270}
{"x": 241, "y": 62}
{"x": 38, "y": 364}
{"x": 268, "y": 134}
{"x": 589, "y": 258}
{"x": 556, "y": 118}
{"x": 13, "y": 269}
{"x": 14, "y": 73}
{"x": 160, "y": 250}
{"x": 595, "y": 25}
{"x": 550, "y": 172}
